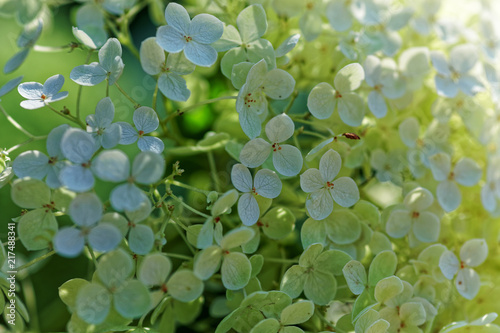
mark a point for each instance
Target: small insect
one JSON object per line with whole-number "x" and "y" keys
{"x": 351, "y": 136}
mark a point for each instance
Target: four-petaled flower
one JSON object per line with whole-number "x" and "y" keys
{"x": 191, "y": 36}
{"x": 99, "y": 124}
{"x": 145, "y": 121}
{"x": 266, "y": 184}
{"x": 287, "y": 159}
{"x": 38, "y": 95}
{"x": 324, "y": 189}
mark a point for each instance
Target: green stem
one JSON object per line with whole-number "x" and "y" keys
{"x": 188, "y": 206}
{"x": 92, "y": 255}
{"x": 188, "y": 187}
{"x": 194, "y": 106}
{"x": 68, "y": 117}
{"x": 184, "y": 238}
{"x": 34, "y": 261}
{"x": 155, "y": 96}
{"x": 314, "y": 134}
{"x": 79, "y": 93}
{"x": 136, "y": 105}
{"x": 290, "y": 104}
{"x": 178, "y": 256}
{"x": 17, "y": 125}
{"x": 213, "y": 170}
{"x": 52, "y": 49}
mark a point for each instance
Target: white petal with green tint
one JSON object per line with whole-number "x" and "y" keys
{"x": 463, "y": 57}
{"x": 236, "y": 237}
{"x": 278, "y": 84}
{"x": 449, "y": 264}
{"x": 387, "y": 288}
{"x": 177, "y": 17}
{"x": 320, "y": 287}
{"x": 141, "y": 239}
{"x": 280, "y": 128}
{"x": 184, "y": 286}
{"x": 241, "y": 178}
{"x": 152, "y": 56}
{"x": 345, "y": 191}
{"x": 111, "y": 165}
{"x": 207, "y": 262}
{"x": 468, "y": 283}
{"x": 321, "y": 101}
{"x": 319, "y": 204}
{"x": 206, "y": 29}
{"x": 267, "y": 184}
{"x": 114, "y": 268}
{"x": 154, "y": 269}
{"x": 311, "y": 180}
{"x": 448, "y": 195}
{"x": 351, "y": 108}
{"x": 474, "y": 252}
{"x": 252, "y": 23}
{"x": 440, "y": 164}
{"x": 68, "y": 242}
{"x": 399, "y": 223}
{"x": 418, "y": 199}
{"x": 88, "y": 309}
{"x": 30, "y": 193}
{"x": 467, "y": 172}
{"x": 173, "y": 87}
{"x": 376, "y": 104}
{"x": 412, "y": 313}
{"x": 104, "y": 237}
{"x": 225, "y": 202}
{"x": 426, "y": 227}
{"x": 383, "y": 265}
{"x": 287, "y": 160}
{"x": 86, "y": 209}
{"x": 343, "y": 227}
{"x": 255, "y": 152}
{"x": 329, "y": 165}
{"x": 355, "y": 275}
{"x": 293, "y": 281}
{"x": 248, "y": 209}
{"x": 250, "y": 122}
{"x": 136, "y": 291}
{"x": 409, "y": 131}
{"x": 148, "y": 167}
{"x": 235, "y": 270}
{"x": 349, "y": 78}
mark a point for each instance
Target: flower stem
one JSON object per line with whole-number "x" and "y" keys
{"x": 178, "y": 256}
{"x": 290, "y": 104}
{"x": 194, "y": 106}
{"x": 188, "y": 206}
{"x": 188, "y": 187}
{"x": 53, "y": 49}
{"x": 79, "y": 93}
{"x": 281, "y": 261}
{"x": 136, "y": 105}
{"x": 184, "y": 238}
{"x": 92, "y": 255}
{"x": 213, "y": 171}
{"x": 34, "y": 261}
{"x": 16, "y": 124}
{"x": 68, "y": 116}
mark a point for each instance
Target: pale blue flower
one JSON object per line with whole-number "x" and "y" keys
{"x": 99, "y": 124}
{"x": 191, "y": 36}
{"x": 86, "y": 211}
{"x": 38, "y": 95}
{"x": 145, "y": 121}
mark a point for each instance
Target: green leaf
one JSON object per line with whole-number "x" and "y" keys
{"x": 383, "y": 265}
{"x": 388, "y": 288}
{"x": 278, "y": 223}
{"x": 68, "y": 291}
{"x": 30, "y": 193}
{"x": 235, "y": 270}
{"x": 136, "y": 291}
{"x": 349, "y": 78}
{"x": 236, "y": 237}
{"x": 207, "y": 262}
{"x": 93, "y": 303}
{"x": 269, "y": 325}
{"x": 185, "y": 286}
{"x": 343, "y": 227}
{"x": 297, "y": 313}
{"x": 355, "y": 275}
{"x": 37, "y": 228}
{"x": 114, "y": 268}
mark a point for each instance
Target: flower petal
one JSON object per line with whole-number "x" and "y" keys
{"x": 77, "y": 145}
{"x": 474, "y": 252}
{"x": 69, "y": 242}
{"x": 319, "y": 204}
{"x": 399, "y": 223}
{"x": 255, "y": 152}
{"x": 278, "y": 84}
{"x": 311, "y": 180}
{"x": 267, "y": 184}
{"x": 321, "y": 101}
{"x": 468, "y": 283}
{"x": 206, "y": 29}
{"x": 173, "y": 87}
{"x": 104, "y": 237}
{"x": 177, "y": 17}
{"x": 53, "y": 84}
{"x": 449, "y": 265}
{"x": 329, "y": 165}
{"x": 86, "y": 209}
{"x": 467, "y": 172}
{"x": 111, "y": 165}
{"x": 170, "y": 39}
{"x": 31, "y": 163}
{"x": 287, "y": 160}
{"x": 148, "y": 168}
{"x": 77, "y": 178}
{"x": 151, "y": 143}
{"x": 241, "y": 178}
{"x": 448, "y": 195}
{"x": 280, "y": 128}
{"x": 127, "y": 197}
{"x": 30, "y": 90}
{"x": 146, "y": 119}
{"x": 345, "y": 191}
{"x": 426, "y": 227}
{"x": 200, "y": 54}
{"x": 248, "y": 209}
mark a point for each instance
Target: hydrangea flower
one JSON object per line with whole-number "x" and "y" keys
{"x": 388, "y": 166}
{"x": 78, "y": 147}
{"x": 324, "y": 99}
{"x": 99, "y": 124}
{"x": 453, "y": 75}
{"x": 245, "y": 43}
{"x": 110, "y": 66}
{"x": 466, "y": 172}
{"x": 287, "y": 159}
{"x": 252, "y": 103}
{"x": 311, "y": 12}
{"x": 191, "y": 36}
{"x": 25, "y": 41}
{"x": 114, "y": 166}
{"x": 86, "y": 211}
{"x": 383, "y": 77}
{"x": 266, "y": 184}
{"x": 6, "y": 88}
{"x": 145, "y": 121}
{"x": 472, "y": 254}
{"x": 414, "y": 217}
{"x": 170, "y": 81}
{"x": 35, "y": 164}
{"x": 324, "y": 189}
{"x": 339, "y": 14}
{"x": 38, "y": 95}
{"x": 91, "y": 25}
